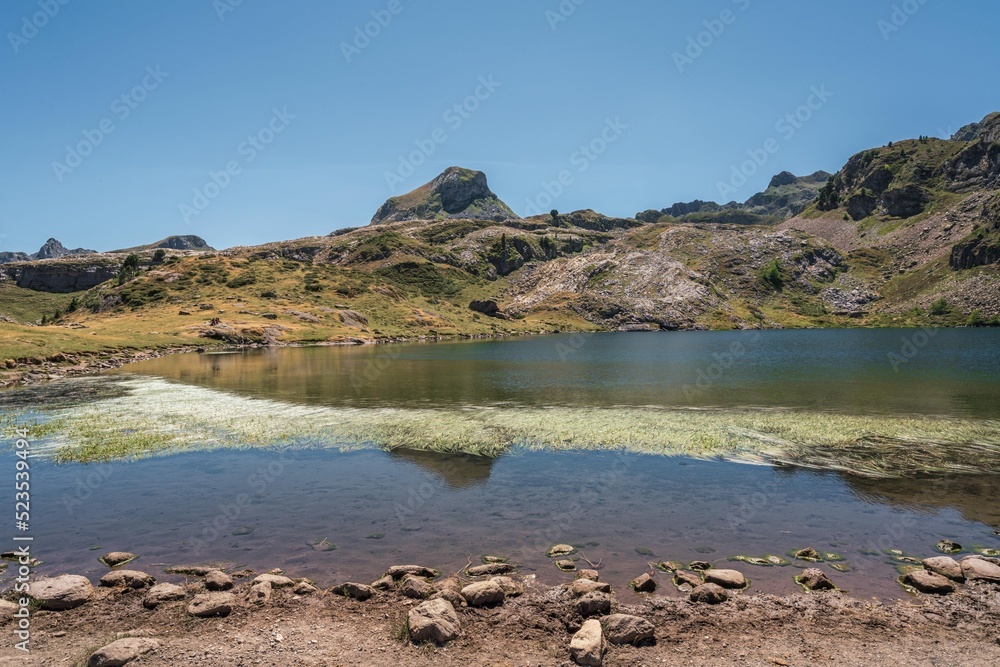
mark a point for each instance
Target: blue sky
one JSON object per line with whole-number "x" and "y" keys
{"x": 300, "y": 132}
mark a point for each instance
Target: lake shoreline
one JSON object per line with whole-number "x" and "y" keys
{"x": 535, "y": 624}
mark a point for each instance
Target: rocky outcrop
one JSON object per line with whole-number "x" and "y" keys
{"x": 62, "y": 276}
{"x": 7, "y": 257}
{"x": 906, "y": 201}
{"x": 457, "y": 194}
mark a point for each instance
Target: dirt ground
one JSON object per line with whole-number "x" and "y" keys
{"x": 323, "y": 630}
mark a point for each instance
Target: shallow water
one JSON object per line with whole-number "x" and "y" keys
{"x": 383, "y": 508}
{"x": 623, "y": 510}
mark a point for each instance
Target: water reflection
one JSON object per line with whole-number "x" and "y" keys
{"x": 458, "y": 471}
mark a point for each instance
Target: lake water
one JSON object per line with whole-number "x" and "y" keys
{"x": 265, "y": 507}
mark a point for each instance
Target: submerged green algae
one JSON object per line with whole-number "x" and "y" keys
{"x": 152, "y": 416}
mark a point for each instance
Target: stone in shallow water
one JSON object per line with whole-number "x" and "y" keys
{"x": 644, "y": 583}
{"x": 700, "y": 565}
{"x": 434, "y": 620}
{"x": 946, "y": 566}
{"x": 815, "y": 579}
{"x": 116, "y": 558}
{"x": 685, "y": 578}
{"x": 626, "y": 629}
{"x": 588, "y": 645}
{"x": 726, "y": 578}
{"x": 192, "y": 570}
{"x": 809, "y": 555}
{"x": 929, "y": 582}
{"x": 560, "y": 550}
{"x": 566, "y": 565}
{"x": 490, "y": 569}
{"x": 592, "y": 575}
{"x": 121, "y": 652}
{"x": 948, "y": 546}
{"x": 400, "y": 571}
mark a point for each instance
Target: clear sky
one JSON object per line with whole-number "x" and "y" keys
{"x": 116, "y": 112}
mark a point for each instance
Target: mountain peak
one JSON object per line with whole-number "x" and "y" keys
{"x": 456, "y": 193}
{"x": 53, "y": 249}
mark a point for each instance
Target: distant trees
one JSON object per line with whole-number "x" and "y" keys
{"x": 129, "y": 270}
{"x": 771, "y": 274}
{"x": 159, "y": 255}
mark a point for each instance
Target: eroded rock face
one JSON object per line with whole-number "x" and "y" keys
{"x": 63, "y": 592}
{"x": 905, "y": 202}
{"x": 121, "y": 652}
{"x": 434, "y": 620}
{"x": 588, "y": 645}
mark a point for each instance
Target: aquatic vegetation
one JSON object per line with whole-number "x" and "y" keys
{"x": 560, "y": 550}
{"x": 808, "y": 554}
{"x": 644, "y": 551}
{"x": 670, "y": 565}
{"x": 753, "y": 560}
{"x": 841, "y": 567}
{"x": 494, "y": 560}
{"x": 566, "y": 565}
{"x": 947, "y": 546}
{"x": 150, "y": 416}
{"x": 776, "y": 560}
{"x": 375, "y": 536}
{"x": 986, "y": 551}
{"x": 322, "y": 545}
{"x": 243, "y": 530}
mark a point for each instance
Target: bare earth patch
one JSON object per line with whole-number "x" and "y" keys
{"x": 325, "y": 629}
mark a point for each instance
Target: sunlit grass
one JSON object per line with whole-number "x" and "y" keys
{"x": 155, "y": 416}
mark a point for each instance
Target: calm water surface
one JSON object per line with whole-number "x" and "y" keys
{"x": 263, "y": 508}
